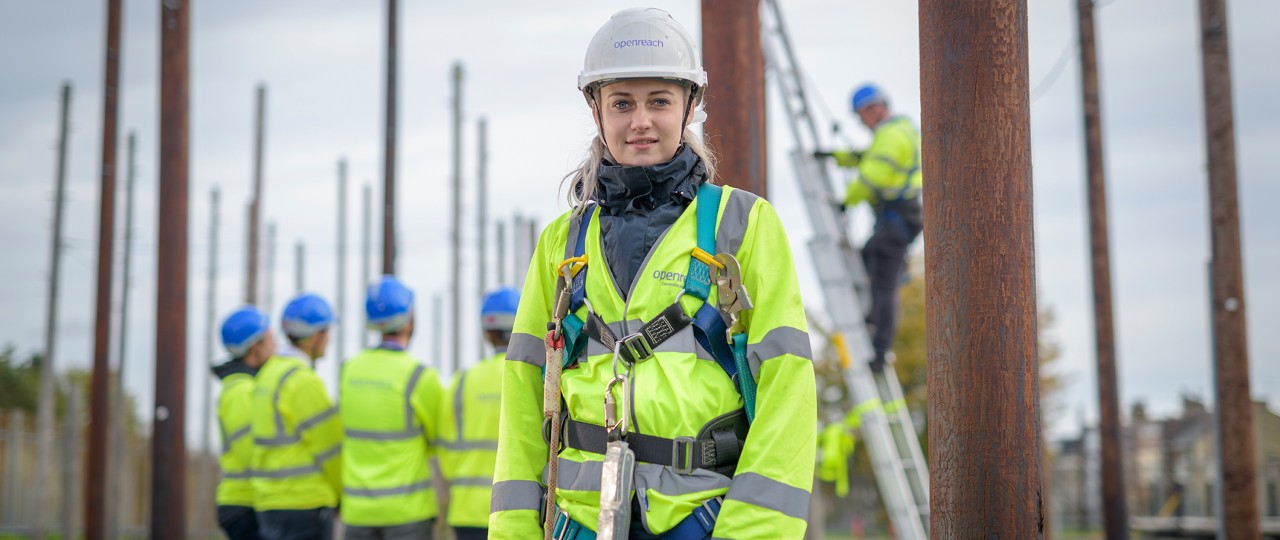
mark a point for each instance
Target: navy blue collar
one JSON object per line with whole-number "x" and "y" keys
{"x": 391, "y": 346}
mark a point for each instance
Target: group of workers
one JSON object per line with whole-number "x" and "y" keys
{"x": 292, "y": 460}
{"x": 655, "y": 381}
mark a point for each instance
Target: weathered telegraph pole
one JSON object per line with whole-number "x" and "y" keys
{"x": 169, "y": 451}
{"x": 1239, "y": 517}
{"x": 389, "y": 147}
{"x": 1114, "y": 511}
{"x": 45, "y": 413}
{"x": 455, "y": 293}
{"x": 731, "y": 50}
{"x": 100, "y": 396}
{"x": 984, "y": 397}
{"x": 255, "y": 206}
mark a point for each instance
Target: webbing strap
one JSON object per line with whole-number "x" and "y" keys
{"x": 571, "y": 326}
{"x": 639, "y": 346}
{"x": 746, "y": 382}
{"x": 698, "y": 280}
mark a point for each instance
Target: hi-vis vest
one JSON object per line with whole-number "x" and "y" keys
{"x": 673, "y": 394}
{"x": 296, "y": 438}
{"x": 469, "y": 441}
{"x": 389, "y": 415}
{"x": 889, "y": 170}
{"x": 234, "y": 406}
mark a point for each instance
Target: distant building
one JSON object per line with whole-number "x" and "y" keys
{"x": 1170, "y": 466}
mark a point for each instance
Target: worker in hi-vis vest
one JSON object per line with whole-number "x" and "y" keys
{"x": 297, "y": 439}
{"x": 390, "y": 414}
{"x": 659, "y": 381}
{"x": 469, "y": 427}
{"x": 889, "y": 179}
{"x": 246, "y": 333}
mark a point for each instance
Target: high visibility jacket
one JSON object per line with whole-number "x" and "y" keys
{"x": 234, "y": 406}
{"x": 296, "y": 437}
{"x": 390, "y": 410}
{"x": 676, "y": 393}
{"x": 889, "y": 170}
{"x": 469, "y": 441}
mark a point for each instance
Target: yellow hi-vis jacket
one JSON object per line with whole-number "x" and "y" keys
{"x": 889, "y": 169}
{"x": 390, "y": 410}
{"x": 234, "y": 406}
{"x": 469, "y": 441}
{"x": 296, "y": 437}
{"x": 676, "y": 393}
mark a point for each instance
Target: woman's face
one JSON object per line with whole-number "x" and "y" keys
{"x": 641, "y": 120}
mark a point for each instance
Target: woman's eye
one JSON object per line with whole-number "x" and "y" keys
{"x": 661, "y": 102}
{"x": 621, "y": 105}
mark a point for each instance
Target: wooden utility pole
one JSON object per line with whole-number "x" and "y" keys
{"x": 366, "y": 256}
{"x": 482, "y": 209}
{"x": 207, "y": 505}
{"x": 115, "y": 472}
{"x": 732, "y": 54}
{"x": 299, "y": 264}
{"x": 341, "y": 353}
{"x": 502, "y": 252}
{"x": 1239, "y": 518}
{"x": 389, "y": 147}
{"x": 1114, "y": 510}
{"x": 270, "y": 285}
{"x": 455, "y": 290}
{"x": 984, "y": 396}
{"x": 100, "y": 395}
{"x": 48, "y": 400}
{"x": 169, "y": 451}
{"x": 255, "y": 206}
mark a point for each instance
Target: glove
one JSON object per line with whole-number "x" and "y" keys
{"x": 823, "y": 154}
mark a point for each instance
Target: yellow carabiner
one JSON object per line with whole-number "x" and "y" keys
{"x": 707, "y": 259}
{"x": 573, "y": 270}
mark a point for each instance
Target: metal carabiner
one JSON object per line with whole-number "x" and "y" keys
{"x": 614, "y": 426}
{"x": 731, "y": 293}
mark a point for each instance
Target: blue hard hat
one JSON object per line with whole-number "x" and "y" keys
{"x": 499, "y": 309}
{"x": 866, "y": 95}
{"x": 242, "y": 329}
{"x": 389, "y": 304}
{"x": 305, "y": 315}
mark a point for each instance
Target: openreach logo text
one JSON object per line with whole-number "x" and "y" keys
{"x": 637, "y": 43}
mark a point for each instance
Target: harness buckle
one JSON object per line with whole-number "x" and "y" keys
{"x": 635, "y": 348}
{"x": 682, "y": 455}
{"x": 564, "y": 523}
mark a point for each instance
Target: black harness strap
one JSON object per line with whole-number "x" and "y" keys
{"x": 640, "y": 345}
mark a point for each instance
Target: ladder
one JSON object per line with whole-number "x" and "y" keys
{"x": 887, "y": 429}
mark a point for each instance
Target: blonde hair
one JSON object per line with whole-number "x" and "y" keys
{"x": 582, "y": 181}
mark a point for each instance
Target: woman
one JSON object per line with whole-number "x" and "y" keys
{"x": 619, "y": 279}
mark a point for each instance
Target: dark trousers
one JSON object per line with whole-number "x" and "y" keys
{"x": 470, "y": 533}
{"x": 313, "y": 524}
{"x": 419, "y": 530}
{"x": 239, "y": 522}
{"x": 885, "y": 257}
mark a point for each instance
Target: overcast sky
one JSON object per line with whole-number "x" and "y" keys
{"x": 322, "y": 61}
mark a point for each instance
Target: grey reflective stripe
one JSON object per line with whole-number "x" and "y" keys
{"x": 230, "y": 439}
{"x": 733, "y": 222}
{"x": 472, "y": 481}
{"x": 585, "y": 476}
{"x": 469, "y": 445}
{"x": 765, "y": 492}
{"x": 287, "y": 473}
{"x": 381, "y": 435}
{"x": 457, "y": 405}
{"x": 329, "y": 454}
{"x": 779, "y": 341}
{"x": 276, "y": 441}
{"x": 387, "y": 492}
{"x": 322, "y": 416}
{"x": 528, "y": 349}
{"x": 515, "y": 495}
{"x": 242, "y": 475}
{"x": 275, "y": 406}
{"x": 409, "y": 423}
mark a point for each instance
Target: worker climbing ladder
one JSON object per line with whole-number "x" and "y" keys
{"x": 887, "y": 428}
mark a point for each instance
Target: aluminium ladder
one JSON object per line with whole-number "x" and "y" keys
{"x": 889, "y": 433}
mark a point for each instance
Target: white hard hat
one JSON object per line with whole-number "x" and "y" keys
{"x": 642, "y": 43}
